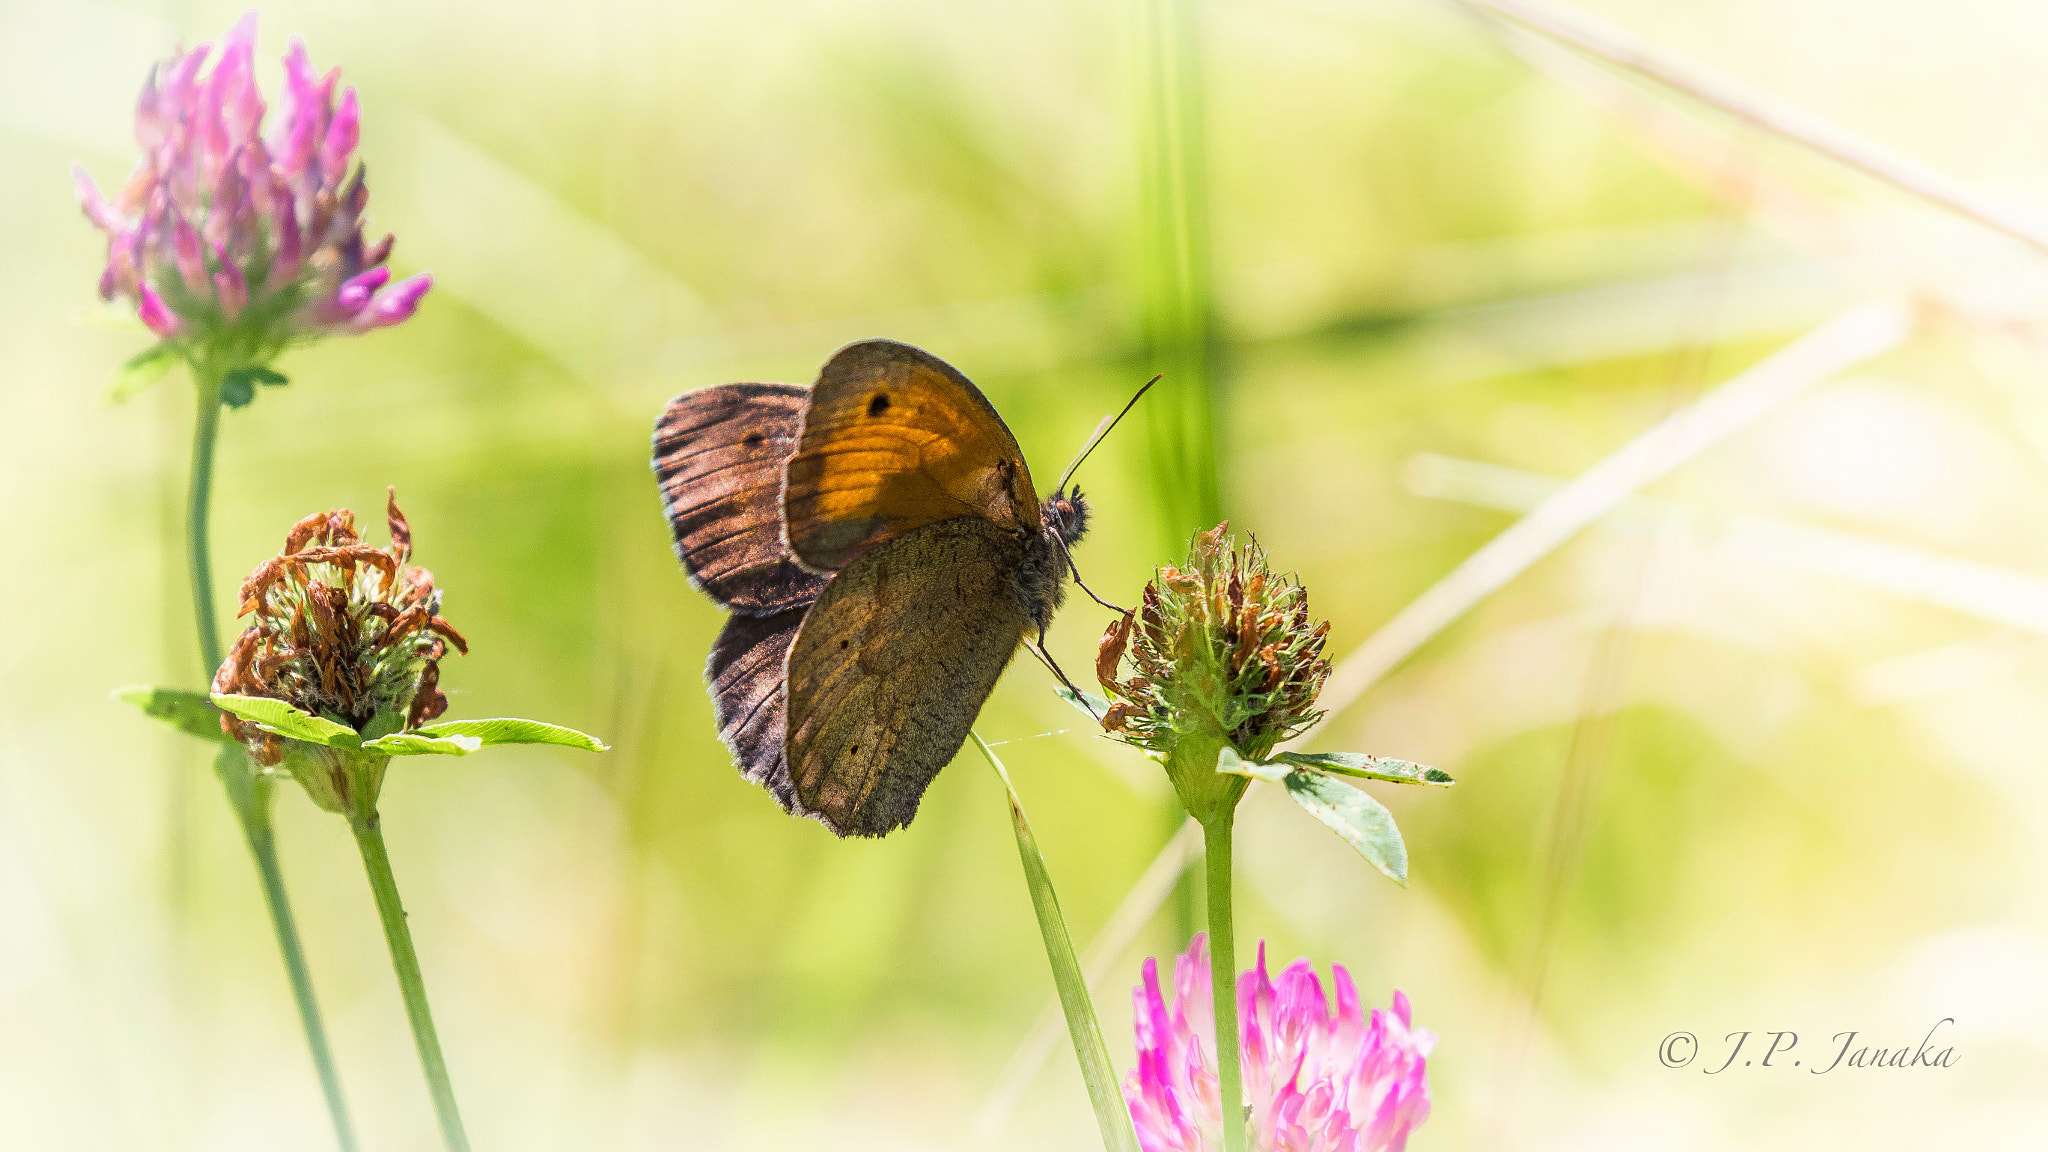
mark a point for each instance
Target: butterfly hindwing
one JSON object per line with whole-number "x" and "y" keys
{"x": 894, "y": 439}
{"x": 892, "y": 664}
{"x": 745, "y": 674}
{"x": 719, "y": 454}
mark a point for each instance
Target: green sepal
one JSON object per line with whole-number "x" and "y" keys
{"x": 512, "y": 730}
{"x": 142, "y": 370}
{"x": 1095, "y": 706}
{"x": 238, "y": 387}
{"x": 421, "y": 744}
{"x": 189, "y": 712}
{"x": 285, "y": 720}
{"x": 1369, "y": 767}
{"x": 1362, "y": 821}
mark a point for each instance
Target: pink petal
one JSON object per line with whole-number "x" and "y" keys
{"x": 191, "y": 260}
{"x": 97, "y": 210}
{"x": 342, "y": 135}
{"x": 151, "y": 308}
{"x": 230, "y": 287}
{"x": 395, "y": 304}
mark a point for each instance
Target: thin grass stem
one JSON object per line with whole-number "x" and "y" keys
{"x": 1104, "y": 1094}
{"x": 1752, "y": 106}
{"x": 1110, "y": 944}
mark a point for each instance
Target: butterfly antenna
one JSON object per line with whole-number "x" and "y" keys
{"x": 1102, "y": 430}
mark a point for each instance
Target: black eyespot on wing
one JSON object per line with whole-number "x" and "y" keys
{"x": 879, "y": 404}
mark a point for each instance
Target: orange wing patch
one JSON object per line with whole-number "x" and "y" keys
{"x": 893, "y": 439}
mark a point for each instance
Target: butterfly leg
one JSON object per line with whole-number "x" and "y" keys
{"x": 1045, "y": 657}
{"x": 1076, "y": 570}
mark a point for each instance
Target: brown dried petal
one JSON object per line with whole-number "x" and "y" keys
{"x": 1255, "y": 586}
{"x": 1249, "y": 633}
{"x": 401, "y": 529}
{"x": 305, "y": 530}
{"x": 446, "y": 629}
{"x": 258, "y": 584}
{"x": 235, "y": 667}
{"x": 1155, "y": 624}
{"x": 341, "y": 526}
{"x": 420, "y": 583}
{"x": 427, "y": 701}
{"x": 1109, "y": 652}
{"x": 1270, "y": 657}
{"x": 1113, "y": 720}
{"x": 405, "y": 623}
{"x": 269, "y": 665}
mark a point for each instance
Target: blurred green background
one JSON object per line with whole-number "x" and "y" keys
{"x": 1719, "y": 771}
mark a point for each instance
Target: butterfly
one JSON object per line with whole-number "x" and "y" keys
{"x": 878, "y": 542}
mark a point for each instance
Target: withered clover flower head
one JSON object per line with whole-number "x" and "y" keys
{"x": 1228, "y": 666}
{"x": 1224, "y": 651}
{"x": 234, "y": 242}
{"x": 341, "y": 630}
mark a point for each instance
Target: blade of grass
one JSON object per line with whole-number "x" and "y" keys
{"x": 1999, "y": 595}
{"x": 1176, "y": 300}
{"x": 1175, "y": 294}
{"x": 1096, "y": 1069}
{"x": 1755, "y": 107}
{"x": 1110, "y": 945}
{"x": 1852, "y": 337}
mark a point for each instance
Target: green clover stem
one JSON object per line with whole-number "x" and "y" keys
{"x": 248, "y": 793}
{"x": 198, "y": 505}
{"x": 1223, "y": 977}
{"x": 406, "y": 963}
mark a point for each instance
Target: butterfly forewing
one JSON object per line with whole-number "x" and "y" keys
{"x": 891, "y": 666}
{"x": 894, "y": 439}
{"x": 719, "y": 454}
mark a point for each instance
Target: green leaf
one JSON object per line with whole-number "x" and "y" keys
{"x": 1271, "y": 771}
{"x": 421, "y": 744}
{"x": 1105, "y": 1092}
{"x": 1095, "y": 706}
{"x": 145, "y": 368}
{"x": 189, "y": 712}
{"x": 512, "y": 730}
{"x": 237, "y": 390}
{"x": 1361, "y": 820}
{"x": 286, "y": 720}
{"x": 1370, "y": 767}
